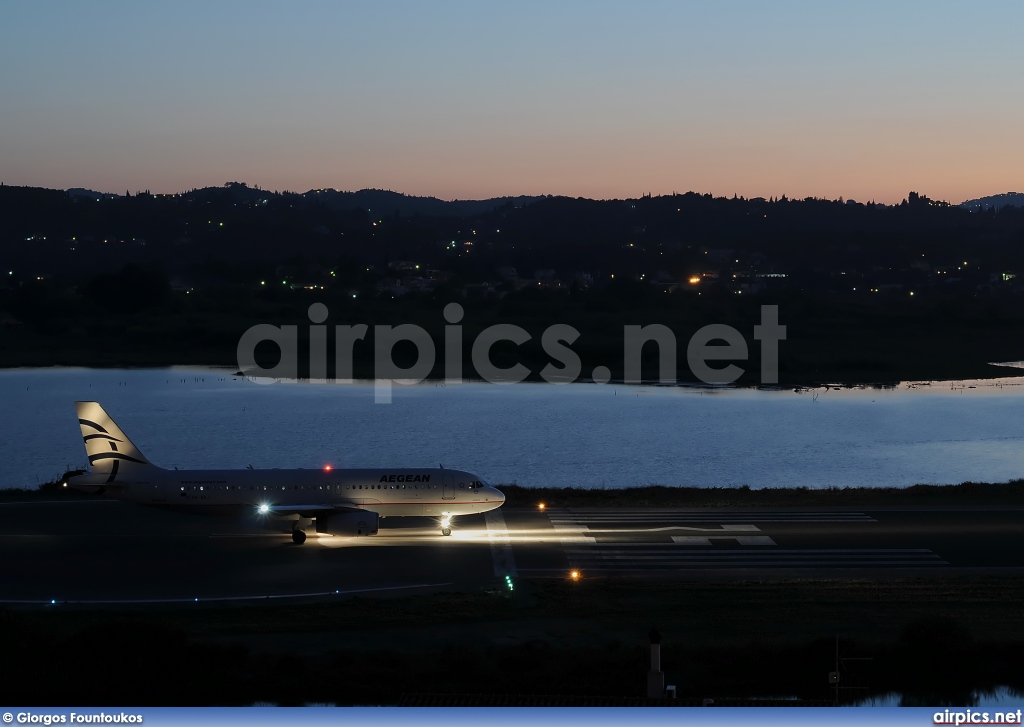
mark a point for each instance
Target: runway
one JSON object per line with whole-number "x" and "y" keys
{"x": 102, "y": 551}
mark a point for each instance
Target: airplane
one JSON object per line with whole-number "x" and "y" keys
{"x": 332, "y": 501}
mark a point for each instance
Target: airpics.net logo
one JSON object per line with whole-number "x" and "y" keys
{"x": 711, "y": 344}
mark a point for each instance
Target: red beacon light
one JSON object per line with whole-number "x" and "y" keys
{"x": 327, "y": 468}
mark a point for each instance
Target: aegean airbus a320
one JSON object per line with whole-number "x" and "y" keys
{"x": 347, "y": 502}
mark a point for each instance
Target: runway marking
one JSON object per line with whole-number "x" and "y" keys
{"x": 214, "y": 599}
{"x": 648, "y": 557}
{"x": 706, "y": 540}
{"x": 501, "y": 547}
{"x": 575, "y": 519}
{"x": 720, "y": 528}
{"x": 569, "y": 532}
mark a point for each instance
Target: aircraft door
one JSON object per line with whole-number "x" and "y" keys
{"x": 448, "y": 487}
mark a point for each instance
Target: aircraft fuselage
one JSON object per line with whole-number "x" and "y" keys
{"x": 388, "y": 492}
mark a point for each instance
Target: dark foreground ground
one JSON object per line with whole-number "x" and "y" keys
{"x": 936, "y": 631}
{"x": 936, "y": 638}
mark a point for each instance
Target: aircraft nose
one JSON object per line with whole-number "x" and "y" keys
{"x": 499, "y": 495}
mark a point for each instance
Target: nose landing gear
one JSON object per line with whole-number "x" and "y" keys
{"x": 446, "y": 524}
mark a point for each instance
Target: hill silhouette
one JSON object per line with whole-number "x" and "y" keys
{"x": 996, "y": 201}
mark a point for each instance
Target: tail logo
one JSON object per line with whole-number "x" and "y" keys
{"x": 113, "y": 454}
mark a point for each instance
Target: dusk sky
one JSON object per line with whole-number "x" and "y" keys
{"x": 863, "y": 100}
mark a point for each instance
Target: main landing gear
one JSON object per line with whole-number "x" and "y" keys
{"x": 298, "y": 537}
{"x": 446, "y": 524}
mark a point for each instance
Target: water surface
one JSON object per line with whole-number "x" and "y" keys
{"x": 534, "y": 434}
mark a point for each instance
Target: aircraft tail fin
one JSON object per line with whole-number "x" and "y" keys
{"x": 109, "y": 449}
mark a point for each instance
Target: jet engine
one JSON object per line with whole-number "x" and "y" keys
{"x": 356, "y": 522}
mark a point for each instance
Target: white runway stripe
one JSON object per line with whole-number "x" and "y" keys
{"x": 722, "y": 518}
{"x": 698, "y": 540}
{"x": 666, "y": 548}
{"x": 621, "y": 558}
{"x": 739, "y": 555}
{"x": 745, "y": 528}
{"x": 710, "y": 512}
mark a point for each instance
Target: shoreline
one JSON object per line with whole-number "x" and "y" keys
{"x": 964, "y": 494}
{"x": 1001, "y": 378}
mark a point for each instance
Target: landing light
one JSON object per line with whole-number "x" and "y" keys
{"x": 263, "y": 509}
{"x": 541, "y": 506}
{"x": 574, "y": 575}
